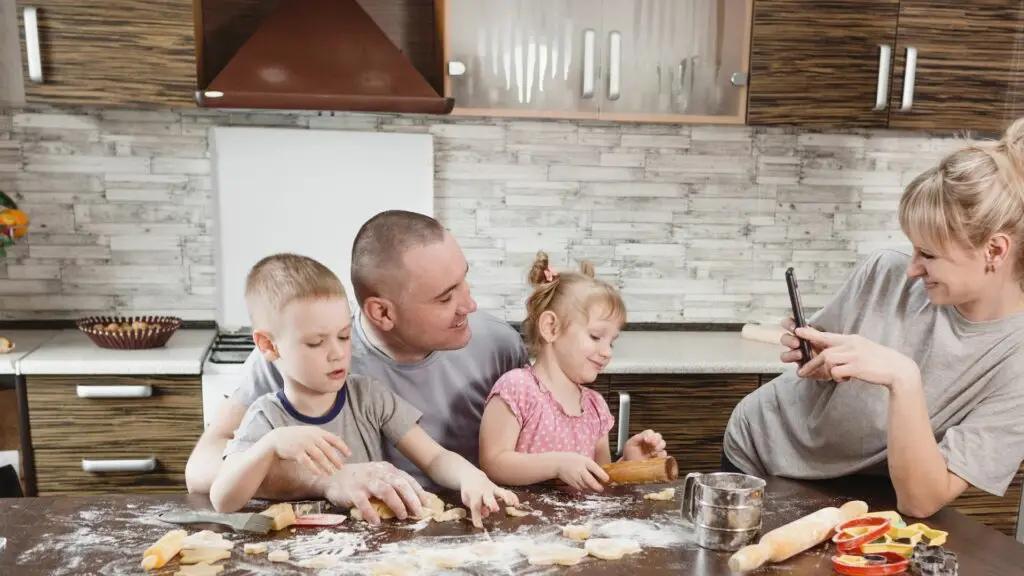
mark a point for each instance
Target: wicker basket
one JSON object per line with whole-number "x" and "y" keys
{"x": 150, "y": 331}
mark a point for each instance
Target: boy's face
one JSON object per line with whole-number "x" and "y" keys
{"x": 312, "y": 343}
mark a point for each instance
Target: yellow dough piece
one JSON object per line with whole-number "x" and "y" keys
{"x": 379, "y": 506}
{"x": 204, "y": 555}
{"x": 200, "y": 570}
{"x": 255, "y": 548}
{"x": 576, "y": 532}
{"x": 611, "y": 548}
{"x": 516, "y": 512}
{"x": 666, "y": 494}
{"x": 278, "y": 556}
{"x": 548, "y": 554}
{"x": 282, "y": 513}
{"x": 433, "y": 510}
{"x": 207, "y": 539}
{"x": 449, "y": 515}
{"x": 163, "y": 550}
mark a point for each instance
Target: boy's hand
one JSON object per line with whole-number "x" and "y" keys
{"x": 645, "y": 445}
{"x": 580, "y": 472}
{"x": 480, "y": 496}
{"x": 313, "y": 447}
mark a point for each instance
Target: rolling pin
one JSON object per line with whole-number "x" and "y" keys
{"x": 655, "y": 470}
{"x": 795, "y": 537}
{"x": 762, "y": 333}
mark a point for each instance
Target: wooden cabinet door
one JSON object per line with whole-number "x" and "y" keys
{"x": 126, "y": 53}
{"x": 523, "y": 57}
{"x": 958, "y": 65}
{"x": 821, "y": 63}
{"x": 674, "y": 61}
{"x": 690, "y": 411}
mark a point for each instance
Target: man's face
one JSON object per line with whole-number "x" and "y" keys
{"x": 432, "y": 312}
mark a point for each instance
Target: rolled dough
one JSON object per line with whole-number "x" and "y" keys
{"x": 278, "y": 556}
{"x": 576, "y": 532}
{"x": 516, "y": 512}
{"x": 548, "y": 554}
{"x": 433, "y": 509}
{"x": 255, "y": 548}
{"x": 206, "y": 539}
{"x": 611, "y": 548}
{"x": 200, "y": 570}
{"x": 666, "y": 494}
{"x": 204, "y": 555}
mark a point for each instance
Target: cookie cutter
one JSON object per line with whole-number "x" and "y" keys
{"x": 935, "y": 537}
{"x": 870, "y": 564}
{"x": 853, "y": 534}
{"x": 933, "y": 560}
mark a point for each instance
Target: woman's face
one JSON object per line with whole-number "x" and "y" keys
{"x": 953, "y": 276}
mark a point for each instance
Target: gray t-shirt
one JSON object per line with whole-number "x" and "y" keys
{"x": 448, "y": 387}
{"x": 364, "y": 413}
{"x": 973, "y": 375}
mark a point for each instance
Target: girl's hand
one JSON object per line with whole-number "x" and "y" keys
{"x": 480, "y": 496}
{"x": 580, "y": 472}
{"x": 645, "y": 445}
{"x": 846, "y": 356}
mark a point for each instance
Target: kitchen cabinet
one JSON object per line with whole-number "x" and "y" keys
{"x": 938, "y": 65}
{"x": 126, "y": 53}
{"x": 102, "y": 434}
{"x": 621, "y": 60}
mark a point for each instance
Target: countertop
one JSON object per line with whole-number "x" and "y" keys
{"x": 693, "y": 352}
{"x": 72, "y": 352}
{"x": 25, "y": 342}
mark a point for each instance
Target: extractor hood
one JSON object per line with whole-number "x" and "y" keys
{"x": 322, "y": 55}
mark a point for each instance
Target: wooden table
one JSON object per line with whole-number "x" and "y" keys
{"x": 105, "y": 535}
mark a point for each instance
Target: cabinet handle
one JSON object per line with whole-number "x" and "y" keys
{"x": 144, "y": 391}
{"x": 620, "y": 444}
{"x": 884, "y": 63}
{"x": 34, "y": 57}
{"x": 589, "y": 39}
{"x": 456, "y": 68}
{"x": 101, "y": 466}
{"x": 908, "y": 79}
{"x": 614, "y": 65}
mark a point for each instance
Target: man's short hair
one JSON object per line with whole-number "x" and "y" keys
{"x": 380, "y": 246}
{"x": 279, "y": 279}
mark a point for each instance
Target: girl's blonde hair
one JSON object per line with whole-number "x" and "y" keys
{"x": 972, "y": 194}
{"x": 570, "y": 295}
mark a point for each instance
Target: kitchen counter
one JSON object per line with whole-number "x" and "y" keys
{"x": 72, "y": 352}
{"x": 693, "y": 352}
{"x": 25, "y": 342}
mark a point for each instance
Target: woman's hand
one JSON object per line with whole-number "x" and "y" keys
{"x": 793, "y": 355}
{"x": 846, "y": 356}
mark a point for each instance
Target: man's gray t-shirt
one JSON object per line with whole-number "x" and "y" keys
{"x": 972, "y": 372}
{"x": 364, "y": 413}
{"x": 448, "y": 387}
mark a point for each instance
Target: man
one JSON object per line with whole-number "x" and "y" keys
{"x": 416, "y": 331}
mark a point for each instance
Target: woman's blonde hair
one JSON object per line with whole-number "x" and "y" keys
{"x": 971, "y": 195}
{"x": 570, "y": 295}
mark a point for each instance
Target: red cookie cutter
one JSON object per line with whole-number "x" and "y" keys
{"x": 846, "y": 541}
{"x": 875, "y": 564}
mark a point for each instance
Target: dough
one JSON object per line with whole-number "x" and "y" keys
{"x": 201, "y": 555}
{"x": 199, "y": 570}
{"x": 548, "y": 554}
{"x": 278, "y": 556}
{"x": 207, "y": 539}
{"x": 516, "y": 512}
{"x": 433, "y": 509}
{"x": 282, "y": 513}
{"x": 449, "y": 515}
{"x": 161, "y": 551}
{"x": 666, "y": 494}
{"x": 611, "y": 548}
{"x": 485, "y": 549}
{"x": 257, "y": 548}
{"x": 394, "y": 568}
{"x": 321, "y": 561}
{"x": 576, "y": 532}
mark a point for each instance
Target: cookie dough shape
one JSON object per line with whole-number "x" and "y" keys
{"x": 549, "y": 554}
{"x": 665, "y": 495}
{"x": 206, "y": 539}
{"x": 278, "y": 556}
{"x": 204, "y": 555}
{"x": 282, "y": 513}
{"x": 576, "y": 532}
{"x": 516, "y": 512}
{"x": 255, "y": 548}
{"x": 200, "y": 570}
{"x": 611, "y": 548}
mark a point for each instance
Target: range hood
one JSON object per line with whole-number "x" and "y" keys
{"x": 322, "y": 55}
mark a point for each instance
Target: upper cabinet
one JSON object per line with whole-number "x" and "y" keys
{"x": 124, "y": 53}
{"x": 629, "y": 60}
{"x": 943, "y": 65}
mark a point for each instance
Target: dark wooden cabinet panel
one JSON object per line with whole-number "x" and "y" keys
{"x": 816, "y": 63}
{"x": 127, "y": 53}
{"x": 766, "y": 378}
{"x": 968, "y": 68}
{"x": 67, "y": 429}
{"x": 689, "y": 410}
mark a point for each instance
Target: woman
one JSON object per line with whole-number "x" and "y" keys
{"x": 917, "y": 369}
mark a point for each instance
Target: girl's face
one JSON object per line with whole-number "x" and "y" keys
{"x": 584, "y": 348}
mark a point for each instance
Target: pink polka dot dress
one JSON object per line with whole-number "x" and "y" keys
{"x": 545, "y": 425}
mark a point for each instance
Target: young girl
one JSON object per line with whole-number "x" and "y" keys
{"x": 541, "y": 422}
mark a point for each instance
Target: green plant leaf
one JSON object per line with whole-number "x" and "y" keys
{"x": 6, "y": 201}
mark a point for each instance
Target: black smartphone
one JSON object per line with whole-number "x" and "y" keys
{"x": 798, "y": 313}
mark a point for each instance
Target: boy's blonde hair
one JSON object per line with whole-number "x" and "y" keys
{"x": 972, "y": 194}
{"x": 569, "y": 295}
{"x": 279, "y": 279}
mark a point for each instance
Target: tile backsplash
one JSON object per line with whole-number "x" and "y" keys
{"x": 693, "y": 223}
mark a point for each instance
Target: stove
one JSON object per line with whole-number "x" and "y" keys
{"x": 231, "y": 348}
{"x": 222, "y": 371}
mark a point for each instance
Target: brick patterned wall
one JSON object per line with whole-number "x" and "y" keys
{"x": 693, "y": 223}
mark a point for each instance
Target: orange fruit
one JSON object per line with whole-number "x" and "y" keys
{"x": 14, "y": 219}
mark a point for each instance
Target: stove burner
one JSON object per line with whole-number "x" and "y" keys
{"x": 231, "y": 348}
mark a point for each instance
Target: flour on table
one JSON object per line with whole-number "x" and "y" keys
{"x": 648, "y": 533}
{"x": 611, "y": 548}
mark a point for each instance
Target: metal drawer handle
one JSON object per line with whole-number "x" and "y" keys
{"x": 909, "y": 75}
{"x": 884, "y": 62}
{"x": 143, "y": 391}
{"x": 100, "y": 466}
{"x": 614, "y": 65}
{"x": 589, "y": 65}
{"x": 33, "y": 55}
{"x": 620, "y": 444}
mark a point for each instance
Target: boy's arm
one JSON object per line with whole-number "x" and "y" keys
{"x": 240, "y": 476}
{"x": 499, "y": 430}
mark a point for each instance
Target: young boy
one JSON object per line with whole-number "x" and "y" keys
{"x": 301, "y": 322}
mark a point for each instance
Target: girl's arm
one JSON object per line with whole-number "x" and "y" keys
{"x": 499, "y": 431}
{"x": 604, "y": 452}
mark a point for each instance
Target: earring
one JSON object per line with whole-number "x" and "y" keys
{"x": 990, "y": 267}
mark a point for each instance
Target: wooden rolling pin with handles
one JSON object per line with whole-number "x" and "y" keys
{"x": 654, "y": 470}
{"x": 799, "y": 535}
